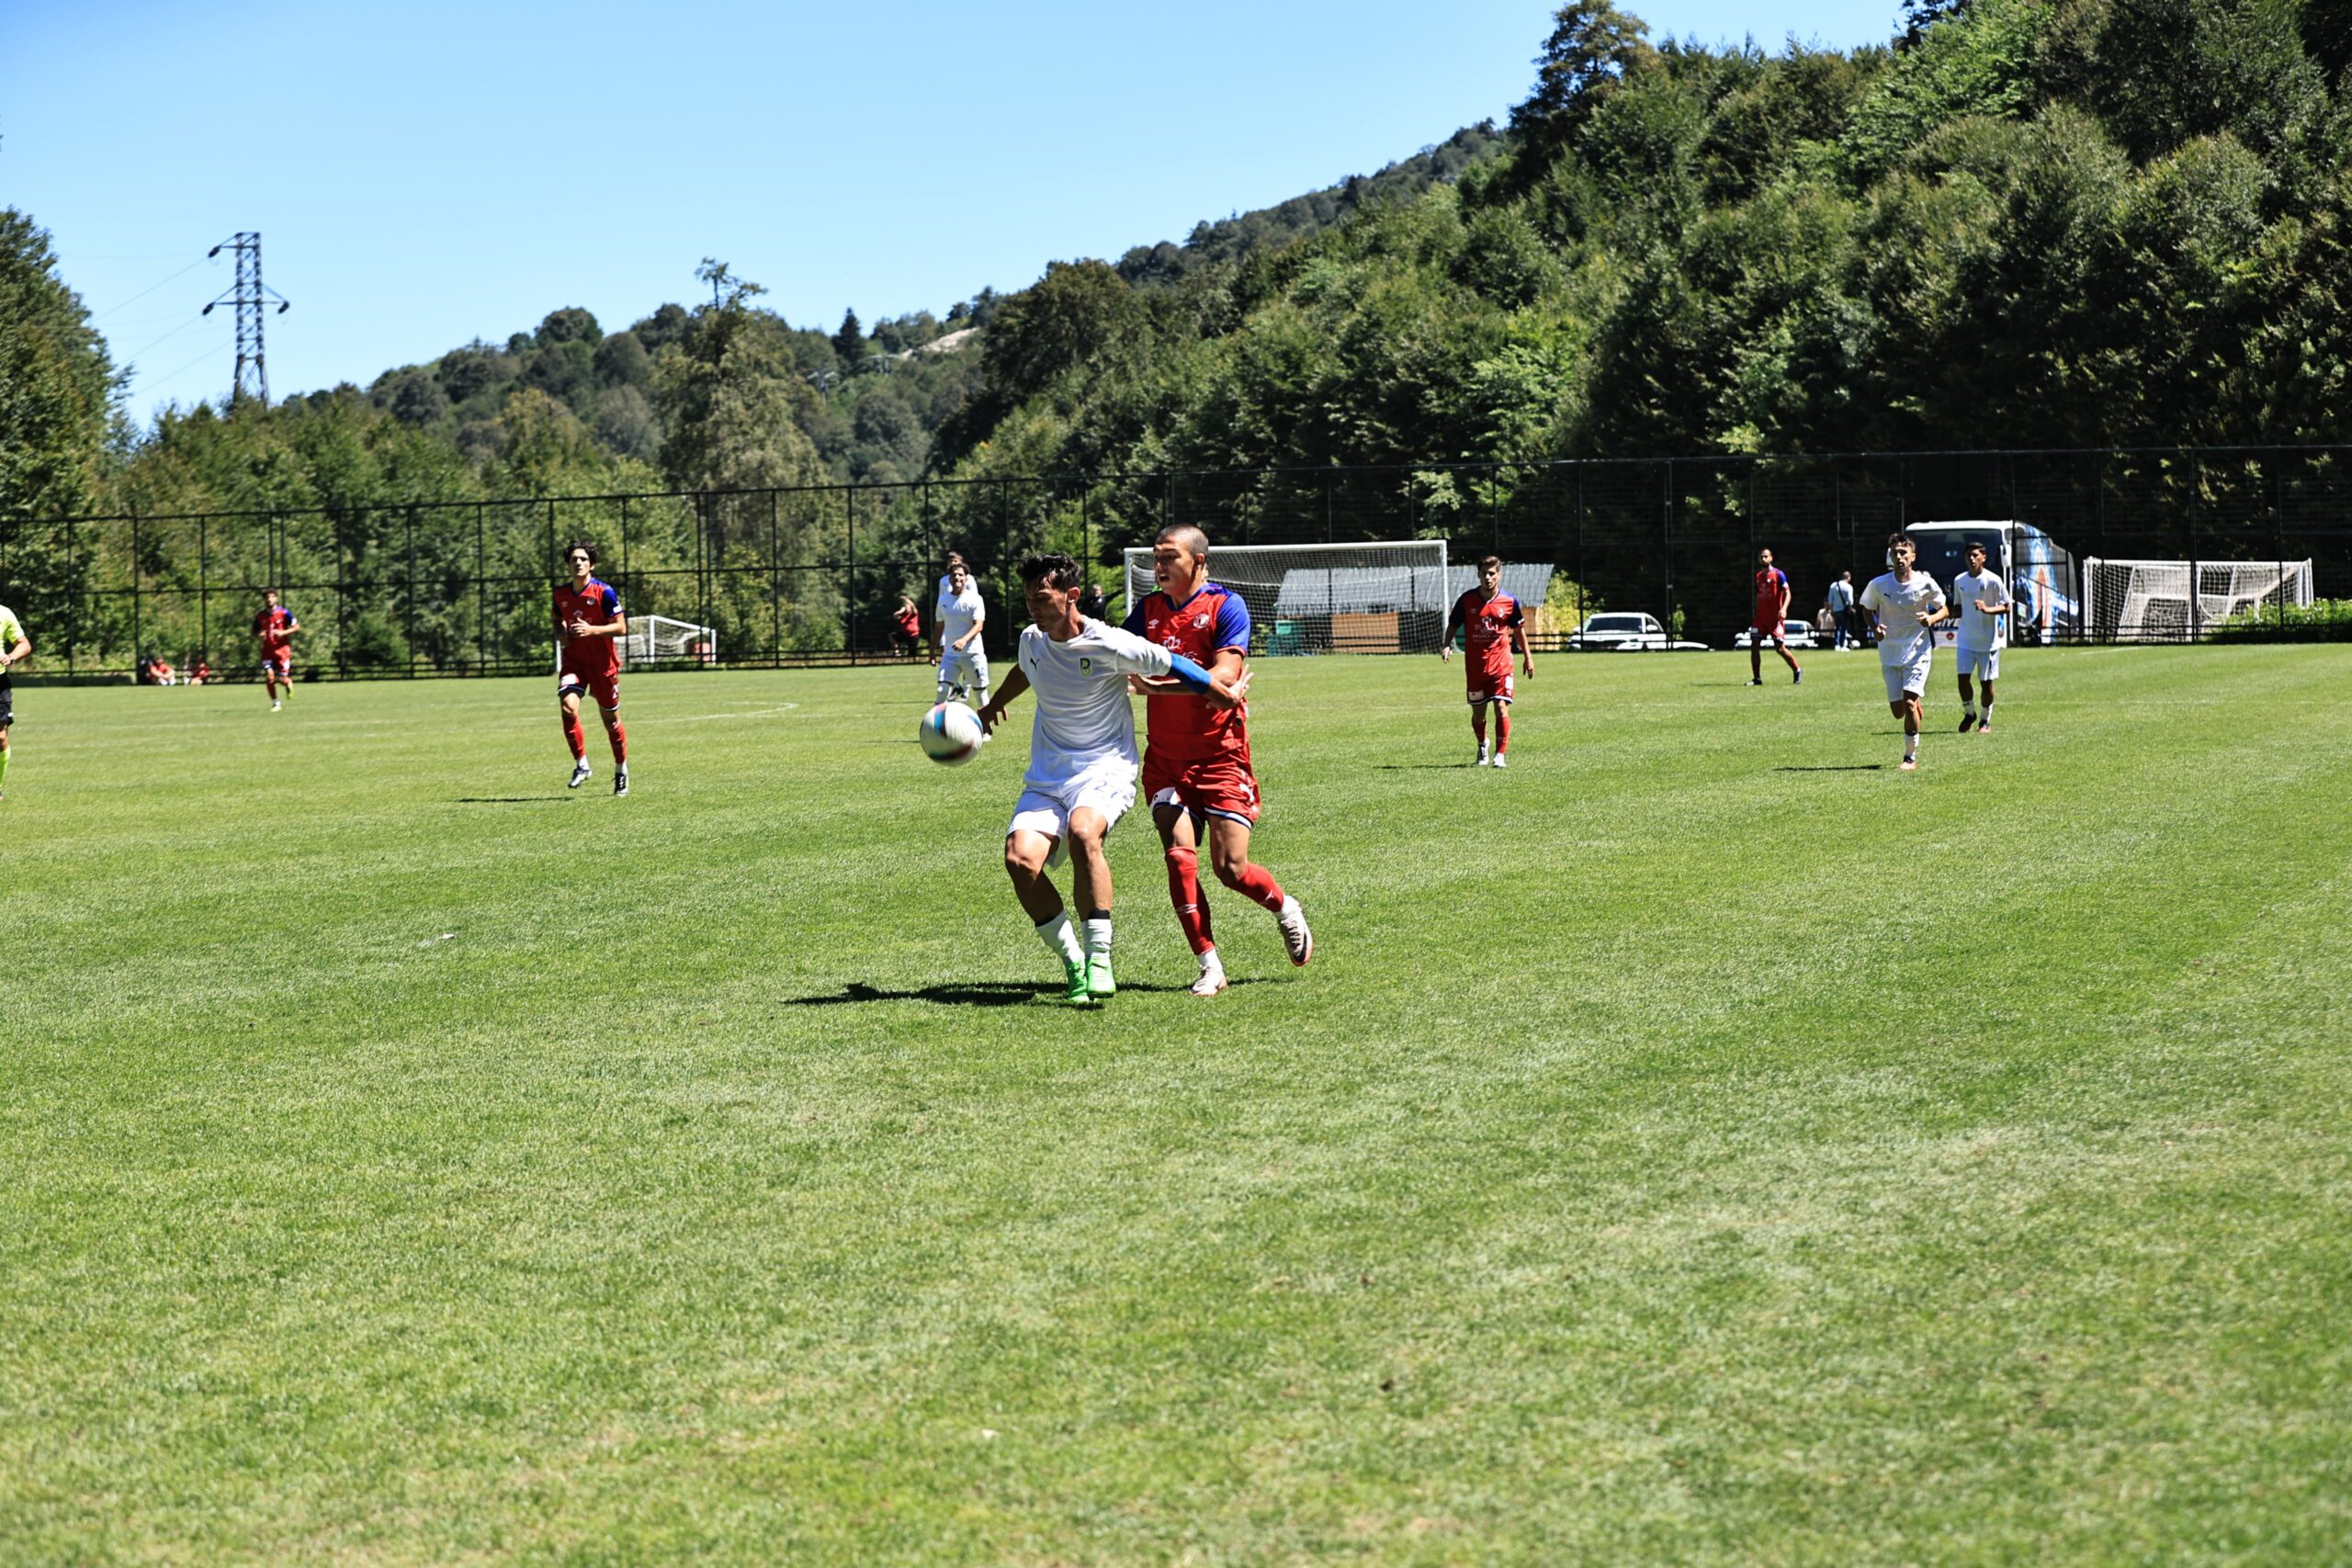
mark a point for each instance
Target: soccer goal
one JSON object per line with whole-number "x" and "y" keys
{"x": 1377, "y": 598}
{"x": 657, "y": 638}
{"x": 2180, "y": 601}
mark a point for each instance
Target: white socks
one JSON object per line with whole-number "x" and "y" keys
{"x": 1062, "y": 937}
{"x": 1098, "y": 939}
{"x": 1911, "y": 744}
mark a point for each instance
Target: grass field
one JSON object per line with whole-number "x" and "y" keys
{"x": 1702, "y": 1143}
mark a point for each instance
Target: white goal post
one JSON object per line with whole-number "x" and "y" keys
{"x": 656, "y": 638}
{"x": 1388, "y": 597}
{"x": 2180, "y": 601}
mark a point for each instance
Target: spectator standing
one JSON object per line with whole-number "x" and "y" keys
{"x": 1841, "y": 610}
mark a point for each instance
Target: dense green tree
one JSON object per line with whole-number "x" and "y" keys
{"x": 59, "y": 390}
{"x": 849, "y": 342}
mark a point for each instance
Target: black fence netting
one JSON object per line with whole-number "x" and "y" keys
{"x": 2103, "y": 546}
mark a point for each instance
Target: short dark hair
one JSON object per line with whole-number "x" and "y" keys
{"x": 1487, "y": 562}
{"x": 1188, "y": 535}
{"x": 581, "y": 545}
{"x": 1052, "y": 568}
{"x": 954, "y": 560}
{"x": 1900, "y": 537}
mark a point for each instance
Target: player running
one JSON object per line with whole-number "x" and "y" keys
{"x": 14, "y": 648}
{"x": 273, "y": 625}
{"x": 1082, "y": 774}
{"x": 1494, "y": 626}
{"x": 1770, "y": 621}
{"x": 963, "y": 617}
{"x": 1983, "y": 601}
{"x": 588, "y": 628}
{"x": 1196, "y": 771}
{"x": 1906, "y": 605}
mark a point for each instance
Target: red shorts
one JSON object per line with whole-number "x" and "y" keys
{"x": 1487, "y": 686}
{"x": 1769, "y": 631}
{"x": 604, "y": 686}
{"x": 1210, "y": 786}
{"x": 281, "y": 664}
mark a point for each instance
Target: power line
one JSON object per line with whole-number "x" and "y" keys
{"x": 195, "y": 321}
{"x": 149, "y": 289}
{"x": 210, "y": 350}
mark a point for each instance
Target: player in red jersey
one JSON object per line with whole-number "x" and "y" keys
{"x": 1196, "y": 771}
{"x": 1769, "y": 622}
{"x": 588, "y": 627}
{"x": 273, "y": 625}
{"x": 1492, "y": 626}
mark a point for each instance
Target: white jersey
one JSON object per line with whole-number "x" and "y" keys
{"x": 1083, "y": 716}
{"x": 1979, "y": 632}
{"x": 959, "y": 613}
{"x": 1901, "y": 606}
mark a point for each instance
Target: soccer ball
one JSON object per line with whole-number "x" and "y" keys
{"x": 950, "y": 733}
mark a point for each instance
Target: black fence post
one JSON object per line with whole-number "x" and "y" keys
{"x": 775, "y": 588}
{"x": 849, "y": 604}
{"x": 481, "y": 599}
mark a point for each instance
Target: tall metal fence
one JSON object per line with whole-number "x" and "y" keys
{"x": 812, "y": 575}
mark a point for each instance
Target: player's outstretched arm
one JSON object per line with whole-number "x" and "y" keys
{"x": 992, "y": 713}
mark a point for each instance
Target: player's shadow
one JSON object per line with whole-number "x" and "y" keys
{"x": 1833, "y": 768}
{"x": 515, "y": 799}
{"x": 1419, "y": 767}
{"x": 976, "y": 993}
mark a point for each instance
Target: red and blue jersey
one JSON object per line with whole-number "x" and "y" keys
{"x": 1772, "y": 598}
{"x": 272, "y": 625}
{"x": 598, "y": 605}
{"x": 1185, "y": 727}
{"x": 1486, "y": 626}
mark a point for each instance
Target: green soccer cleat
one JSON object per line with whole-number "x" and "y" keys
{"x": 1098, "y": 983}
{"x": 1076, "y": 975}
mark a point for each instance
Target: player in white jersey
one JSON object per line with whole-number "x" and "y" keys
{"x": 960, "y": 617}
{"x": 1083, "y": 760}
{"x": 1983, "y": 601}
{"x": 1907, "y": 606}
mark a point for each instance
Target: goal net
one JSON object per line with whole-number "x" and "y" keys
{"x": 1377, "y": 598}
{"x": 2180, "y": 601}
{"x": 655, "y": 638}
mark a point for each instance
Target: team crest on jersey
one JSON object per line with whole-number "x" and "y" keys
{"x": 1200, "y": 620}
{"x": 1085, "y": 665}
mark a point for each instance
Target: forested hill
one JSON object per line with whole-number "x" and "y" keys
{"x": 2039, "y": 223}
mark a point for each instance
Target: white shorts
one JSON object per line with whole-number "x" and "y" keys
{"x": 1045, "y": 808}
{"x": 1984, "y": 663}
{"x": 968, "y": 668}
{"x": 1907, "y": 676}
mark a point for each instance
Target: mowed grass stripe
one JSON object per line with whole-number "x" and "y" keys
{"x": 415, "y": 1161}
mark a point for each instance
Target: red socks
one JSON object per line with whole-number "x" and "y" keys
{"x": 576, "y": 735}
{"x": 1479, "y": 724}
{"x": 619, "y": 737}
{"x": 1255, "y": 881}
{"x": 1184, "y": 892}
{"x": 1502, "y": 730}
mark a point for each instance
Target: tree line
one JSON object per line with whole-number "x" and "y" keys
{"x": 2020, "y": 222}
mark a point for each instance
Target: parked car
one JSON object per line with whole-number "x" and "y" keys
{"x": 1800, "y": 634}
{"x": 1625, "y": 631}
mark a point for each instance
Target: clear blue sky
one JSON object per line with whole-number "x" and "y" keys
{"x": 426, "y": 173}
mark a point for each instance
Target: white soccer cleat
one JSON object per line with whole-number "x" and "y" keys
{"x": 579, "y": 775}
{"x": 1295, "y": 936}
{"x": 1499, "y": 761}
{"x": 274, "y": 705}
{"x": 1482, "y": 756}
{"x": 620, "y": 779}
{"x": 1212, "y": 978}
